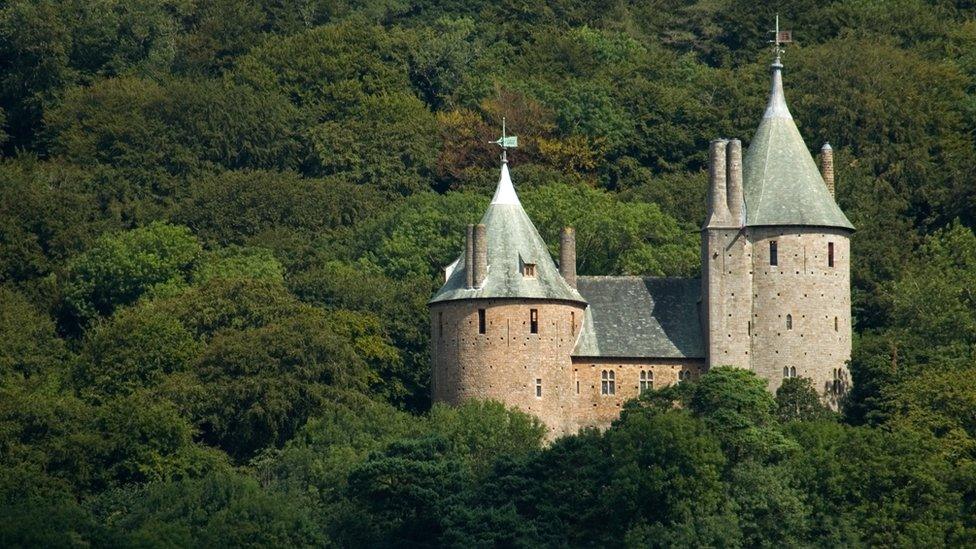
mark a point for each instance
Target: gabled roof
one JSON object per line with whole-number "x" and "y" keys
{"x": 782, "y": 185}
{"x": 640, "y": 317}
{"x": 512, "y": 241}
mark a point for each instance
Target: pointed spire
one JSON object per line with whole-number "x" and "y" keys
{"x": 505, "y": 192}
{"x": 776, "y": 106}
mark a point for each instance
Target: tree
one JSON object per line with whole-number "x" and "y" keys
{"x": 734, "y": 402}
{"x": 121, "y": 267}
{"x": 797, "y": 400}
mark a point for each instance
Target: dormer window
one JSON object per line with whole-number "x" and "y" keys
{"x": 528, "y": 270}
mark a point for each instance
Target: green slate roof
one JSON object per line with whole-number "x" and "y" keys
{"x": 640, "y": 317}
{"x": 512, "y": 240}
{"x": 782, "y": 185}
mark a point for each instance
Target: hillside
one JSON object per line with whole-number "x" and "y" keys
{"x": 220, "y": 223}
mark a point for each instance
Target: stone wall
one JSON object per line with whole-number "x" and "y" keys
{"x": 596, "y": 409}
{"x": 505, "y": 363}
{"x": 804, "y": 287}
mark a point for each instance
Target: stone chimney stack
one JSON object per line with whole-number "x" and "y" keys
{"x": 480, "y": 262}
{"x": 718, "y": 206}
{"x": 827, "y": 166}
{"x": 733, "y": 152}
{"x": 567, "y": 255}
{"x": 469, "y": 258}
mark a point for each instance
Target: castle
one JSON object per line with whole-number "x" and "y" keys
{"x": 773, "y": 296}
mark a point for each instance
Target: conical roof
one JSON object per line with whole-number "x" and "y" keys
{"x": 512, "y": 241}
{"x": 781, "y": 182}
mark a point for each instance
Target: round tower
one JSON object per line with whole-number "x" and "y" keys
{"x": 800, "y": 242}
{"x": 506, "y": 321}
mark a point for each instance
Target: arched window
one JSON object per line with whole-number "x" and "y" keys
{"x": 789, "y": 322}
{"x": 836, "y": 386}
{"x": 786, "y": 372}
{"x": 646, "y": 380}
{"x": 792, "y": 371}
{"x": 608, "y": 383}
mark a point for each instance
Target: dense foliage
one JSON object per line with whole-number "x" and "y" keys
{"x": 220, "y": 222}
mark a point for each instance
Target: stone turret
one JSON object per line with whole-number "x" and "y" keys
{"x": 796, "y": 252}
{"x": 505, "y": 322}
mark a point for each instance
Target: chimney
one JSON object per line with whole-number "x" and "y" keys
{"x": 469, "y": 258}
{"x": 567, "y": 255}
{"x": 827, "y": 166}
{"x": 480, "y": 255}
{"x": 733, "y": 152}
{"x": 718, "y": 207}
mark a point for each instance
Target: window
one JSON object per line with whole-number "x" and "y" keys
{"x": 608, "y": 383}
{"x": 440, "y": 324}
{"x": 789, "y": 371}
{"x": 572, "y": 323}
{"x": 773, "y": 253}
{"x": 482, "y": 325}
{"x": 538, "y": 388}
{"x": 528, "y": 270}
{"x": 749, "y": 327}
{"x": 577, "y": 387}
{"x": 646, "y": 380}
{"x": 792, "y": 371}
{"x": 789, "y": 322}
{"x": 830, "y": 254}
{"x": 683, "y": 376}
{"x": 836, "y": 387}
{"x": 534, "y": 321}
{"x": 835, "y": 323}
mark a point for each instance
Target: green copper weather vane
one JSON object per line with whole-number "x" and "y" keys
{"x": 506, "y": 142}
{"x": 780, "y": 38}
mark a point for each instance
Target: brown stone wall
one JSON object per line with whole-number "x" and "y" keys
{"x": 803, "y": 286}
{"x": 727, "y": 295}
{"x": 504, "y": 363}
{"x": 595, "y": 409}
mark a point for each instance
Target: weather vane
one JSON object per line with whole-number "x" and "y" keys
{"x": 780, "y": 38}
{"x": 505, "y": 142}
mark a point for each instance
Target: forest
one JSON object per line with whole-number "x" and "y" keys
{"x": 221, "y": 220}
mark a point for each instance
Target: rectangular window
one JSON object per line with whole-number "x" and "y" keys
{"x": 773, "y": 253}
{"x": 482, "y": 325}
{"x": 646, "y": 381}
{"x": 538, "y": 388}
{"x": 534, "y": 321}
{"x": 830, "y": 254}
{"x": 572, "y": 323}
{"x": 440, "y": 324}
{"x": 528, "y": 270}
{"x": 577, "y": 387}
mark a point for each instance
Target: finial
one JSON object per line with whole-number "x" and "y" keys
{"x": 779, "y": 39}
{"x": 505, "y": 142}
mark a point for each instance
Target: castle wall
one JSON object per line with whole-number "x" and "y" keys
{"x": 505, "y": 363}
{"x": 727, "y": 294}
{"x": 813, "y": 294}
{"x": 596, "y": 409}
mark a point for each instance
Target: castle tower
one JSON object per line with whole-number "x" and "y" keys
{"x": 505, "y": 323}
{"x": 797, "y": 256}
